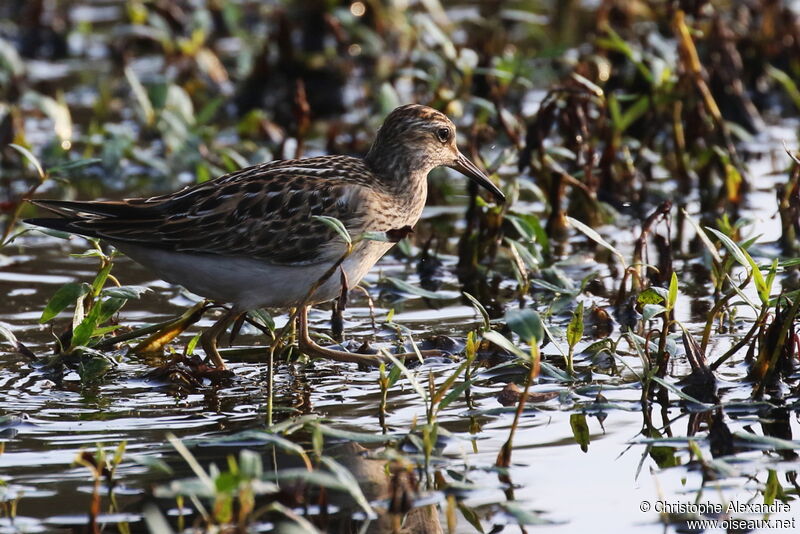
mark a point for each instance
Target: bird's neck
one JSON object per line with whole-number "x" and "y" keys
{"x": 404, "y": 178}
{"x": 398, "y": 169}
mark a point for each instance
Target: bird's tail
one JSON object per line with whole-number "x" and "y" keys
{"x": 74, "y": 214}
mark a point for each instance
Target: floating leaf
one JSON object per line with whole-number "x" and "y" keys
{"x": 680, "y": 393}
{"x": 358, "y": 437}
{"x": 526, "y": 323}
{"x": 405, "y": 287}
{"x": 93, "y": 367}
{"x": 521, "y": 515}
{"x": 768, "y": 442}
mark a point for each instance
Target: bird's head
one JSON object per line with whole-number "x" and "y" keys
{"x": 416, "y": 138}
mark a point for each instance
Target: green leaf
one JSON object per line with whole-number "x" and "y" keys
{"x": 394, "y": 375}
{"x": 91, "y": 253}
{"x": 151, "y": 462}
{"x": 410, "y": 376}
{"x": 67, "y": 295}
{"x": 758, "y": 279}
{"x": 263, "y": 317}
{"x": 142, "y": 98}
{"x": 471, "y": 516}
{"x": 501, "y": 341}
{"x": 93, "y": 367}
{"x": 73, "y": 165}
{"x": 10, "y": 60}
{"x": 189, "y": 458}
{"x": 530, "y": 261}
{"x": 651, "y": 310}
{"x": 454, "y": 394}
{"x": 703, "y": 237}
{"x": 773, "y": 270}
{"x": 448, "y": 383}
{"x": 554, "y": 288}
{"x": 634, "y": 112}
{"x": 771, "y": 488}
{"x": 526, "y": 323}
{"x": 250, "y": 465}
{"x": 357, "y": 437}
{"x": 108, "y": 307}
{"x": 481, "y": 310}
{"x": 54, "y": 109}
{"x": 735, "y": 250}
{"x": 768, "y": 442}
{"x": 580, "y": 430}
{"x": 679, "y": 393}
{"x": 125, "y": 292}
{"x": 101, "y": 277}
{"x": 594, "y": 236}
{"x": 388, "y": 99}
{"x": 350, "y": 484}
{"x": 8, "y": 335}
{"x": 375, "y": 236}
{"x": 664, "y": 456}
{"x": 193, "y": 344}
{"x": 672, "y": 295}
{"x": 521, "y": 515}
{"x": 651, "y": 295}
{"x": 591, "y": 86}
{"x": 208, "y": 111}
{"x": 789, "y": 85}
{"x": 100, "y": 313}
{"x": 575, "y": 326}
{"x": 405, "y": 287}
{"x": 28, "y": 155}
{"x": 336, "y": 225}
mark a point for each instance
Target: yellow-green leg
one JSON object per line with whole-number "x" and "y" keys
{"x": 309, "y": 348}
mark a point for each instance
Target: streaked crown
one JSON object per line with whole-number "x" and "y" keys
{"x": 413, "y": 138}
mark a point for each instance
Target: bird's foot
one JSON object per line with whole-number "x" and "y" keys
{"x": 311, "y": 349}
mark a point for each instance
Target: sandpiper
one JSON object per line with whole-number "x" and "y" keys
{"x": 251, "y": 238}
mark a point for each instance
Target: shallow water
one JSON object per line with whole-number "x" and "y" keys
{"x": 44, "y": 423}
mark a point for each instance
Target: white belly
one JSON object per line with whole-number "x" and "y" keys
{"x": 249, "y": 284}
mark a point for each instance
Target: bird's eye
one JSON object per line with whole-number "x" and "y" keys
{"x": 443, "y": 134}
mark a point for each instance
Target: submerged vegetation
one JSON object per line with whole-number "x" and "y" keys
{"x": 630, "y": 312}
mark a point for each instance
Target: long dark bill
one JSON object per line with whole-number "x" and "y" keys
{"x": 470, "y": 170}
